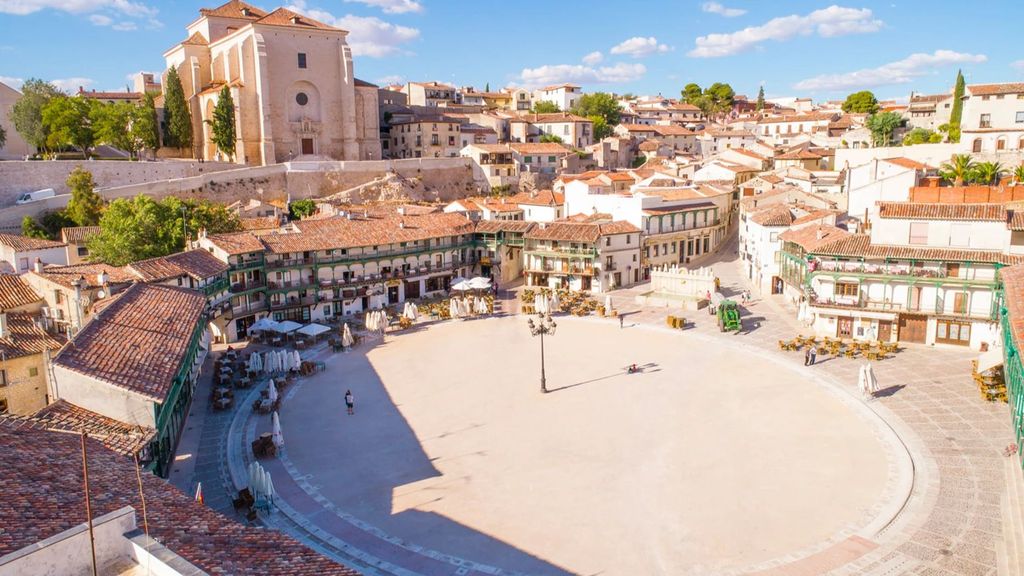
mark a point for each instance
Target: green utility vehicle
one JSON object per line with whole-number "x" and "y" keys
{"x": 729, "y": 316}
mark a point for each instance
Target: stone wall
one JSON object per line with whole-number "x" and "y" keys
{"x": 441, "y": 179}
{"x": 17, "y": 177}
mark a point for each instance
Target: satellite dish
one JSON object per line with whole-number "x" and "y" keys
{"x": 101, "y": 294}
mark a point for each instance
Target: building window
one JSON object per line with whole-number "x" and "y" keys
{"x": 301, "y": 99}
{"x": 629, "y": 239}
{"x": 33, "y": 372}
{"x": 302, "y": 59}
{"x": 847, "y": 289}
{"x": 83, "y": 251}
{"x": 953, "y": 332}
{"x": 918, "y": 232}
{"x": 607, "y": 240}
{"x": 1020, "y": 117}
{"x": 986, "y": 121}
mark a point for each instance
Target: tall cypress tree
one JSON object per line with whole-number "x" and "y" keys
{"x": 958, "y": 108}
{"x": 223, "y": 124}
{"x": 177, "y": 120}
{"x": 760, "y": 99}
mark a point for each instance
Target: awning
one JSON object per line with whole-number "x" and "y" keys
{"x": 991, "y": 359}
{"x": 287, "y": 326}
{"x": 264, "y": 324}
{"x": 313, "y": 329}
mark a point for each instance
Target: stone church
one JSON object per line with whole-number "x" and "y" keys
{"x": 291, "y": 79}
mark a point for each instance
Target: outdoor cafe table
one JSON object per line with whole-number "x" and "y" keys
{"x": 222, "y": 392}
{"x": 222, "y": 403}
{"x": 244, "y": 381}
{"x": 276, "y": 340}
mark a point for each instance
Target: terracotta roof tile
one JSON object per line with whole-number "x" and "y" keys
{"x": 260, "y": 223}
{"x": 813, "y": 117}
{"x": 121, "y": 437}
{"x": 1013, "y": 284}
{"x": 198, "y": 264}
{"x": 25, "y": 338}
{"x": 859, "y": 245}
{"x": 579, "y": 231}
{"x": 237, "y": 242}
{"x": 908, "y": 163}
{"x": 65, "y": 275}
{"x": 540, "y": 148}
{"x": 24, "y": 243}
{"x": 139, "y": 342}
{"x": 234, "y": 9}
{"x": 78, "y": 234}
{"x": 41, "y": 501}
{"x": 1015, "y": 220}
{"x": 285, "y": 17}
{"x": 15, "y": 293}
{"x": 994, "y": 89}
{"x": 942, "y": 211}
{"x": 775, "y": 215}
{"x": 494, "y": 226}
{"x": 552, "y": 118}
{"x": 539, "y": 198}
{"x": 811, "y": 237}
{"x": 196, "y": 39}
{"x": 334, "y": 233}
{"x": 799, "y": 155}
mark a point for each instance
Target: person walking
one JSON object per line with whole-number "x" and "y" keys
{"x": 350, "y": 402}
{"x": 620, "y": 321}
{"x": 813, "y": 351}
{"x": 807, "y": 357}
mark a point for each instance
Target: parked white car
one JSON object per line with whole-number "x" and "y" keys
{"x": 36, "y": 196}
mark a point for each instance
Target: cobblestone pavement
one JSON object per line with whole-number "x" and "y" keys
{"x": 952, "y": 522}
{"x": 950, "y": 525}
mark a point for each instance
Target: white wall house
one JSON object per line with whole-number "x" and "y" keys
{"x": 887, "y": 180}
{"x": 565, "y": 96}
{"x": 993, "y": 117}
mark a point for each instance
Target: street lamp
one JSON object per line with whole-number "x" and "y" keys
{"x": 545, "y": 325}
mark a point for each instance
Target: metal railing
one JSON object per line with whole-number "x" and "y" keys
{"x": 562, "y": 251}
{"x": 239, "y": 287}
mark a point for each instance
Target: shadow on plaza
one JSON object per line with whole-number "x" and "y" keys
{"x": 375, "y": 454}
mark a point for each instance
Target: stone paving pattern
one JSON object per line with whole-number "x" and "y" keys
{"x": 951, "y": 525}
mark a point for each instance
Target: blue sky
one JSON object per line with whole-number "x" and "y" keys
{"x": 800, "y": 47}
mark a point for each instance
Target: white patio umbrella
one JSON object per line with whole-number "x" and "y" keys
{"x": 556, "y": 304}
{"x": 252, "y": 470}
{"x": 538, "y": 303}
{"x": 872, "y": 380}
{"x": 268, "y": 487}
{"x": 607, "y": 304}
{"x": 276, "y": 435}
{"x": 480, "y": 283}
{"x": 272, "y": 391}
{"x": 284, "y": 360}
{"x": 296, "y": 359}
{"x": 462, "y": 286}
{"x": 453, "y": 308}
{"x": 862, "y": 380}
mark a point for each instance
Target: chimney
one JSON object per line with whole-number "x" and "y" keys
{"x": 820, "y": 234}
{"x": 245, "y": 11}
{"x": 401, "y": 210}
{"x": 401, "y": 224}
{"x": 102, "y": 278}
{"x": 295, "y": 19}
{"x": 38, "y": 266}
{"x": 5, "y": 332}
{"x": 932, "y": 181}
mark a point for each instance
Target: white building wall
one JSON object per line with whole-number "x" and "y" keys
{"x": 103, "y": 398}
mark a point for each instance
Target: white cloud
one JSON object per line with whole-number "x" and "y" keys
{"x": 594, "y": 57}
{"x": 124, "y": 26}
{"x": 368, "y": 35}
{"x": 393, "y": 6}
{"x": 1017, "y": 65}
{"x": 101, "y": 20}
{"x": 577, "y": 73}
{"x": 71, "y": 85}
{"x": 100, "y": 12}
{"x": 638, "y": 47}
{"x": 12, "y": 81}
{"x": 716, "y": 8}
{"x": 391, "y": 79}
{"x": 899, "y": 72}
{"x": 827, "y": 22}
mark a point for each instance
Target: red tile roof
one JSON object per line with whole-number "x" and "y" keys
{"x": 539, "y": 198}
{"x": 25, "y": 338}
{"x": 198, "y": 264}
{"x": 1013, "y": 284}
{"x": 234, "y": 9}
{"x": 540, "y": 148}
{"x": 775, "y": 215}
{"x": 334, "y": 233}
{"x": 78, "y": 234}
{"x": 65, "y": 275}
{"x": 579, "y": 231}
{"x": 860, "y": 246}
{"x": 237, "y": 242}
{"x": 799, "y": 155}
{"x": 494, "y": 226}
{"x": 551, "y": 118}
{"x": 15, "y": 293}
{"x": 260, "y": 223}
{"x": 942, "y": 211}
{"x": 994, "y": 89}
{"x": 1015, "y": 220}
{"x": 285, "y": 17}
{"x": 121, "y": 437}
{"x": 811, "y": 237}
{"x": 24, "y": 243}
{"x": 907, "y": 163}
{"x": 43, "y": 497}
{"x": 138, "y": 342}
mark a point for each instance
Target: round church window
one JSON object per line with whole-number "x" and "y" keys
{"x": 302, "y": 99}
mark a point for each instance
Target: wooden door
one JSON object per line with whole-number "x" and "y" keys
{"x": 845, "y": 327}
{"x": 884, "y": 330}
{"x": 912, "y": 328}
{"x": 960, "y": 303}
{"x": 953, "y": 270}
{"x": 307, "y": 146}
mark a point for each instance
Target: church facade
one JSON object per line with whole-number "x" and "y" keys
{"x": 292, "y": 82}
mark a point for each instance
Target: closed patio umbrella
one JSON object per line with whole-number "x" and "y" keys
{"x": 296, "y": 359}
{"x": 276, "y": 435}
{"x": 453, "y": 308}
{"x": 272, "y": 391}
{"x": 607, "y": 304}
{"x": 862, "y": 380}
{"x": 346, "y": 336}
{"x": 556, "y": 304}
{"x": 871, "y": 379}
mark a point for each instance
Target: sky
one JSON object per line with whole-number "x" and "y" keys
{"x": 792, "y": 48}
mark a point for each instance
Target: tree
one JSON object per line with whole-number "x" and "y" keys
{"x": 27, "y": 113}
{"x": 125, "y": 126}
{"x": 921, "y": 136}
{"x": 988, "y": 173}
{"x": 85, "y": 206}
{"x": 3, "y": 137}
{"x": 178, "y": 121}
{"x": 882, "y": 127}
{"x": 958, "y": 170}
{"x": 551, "y": 138}
{"x": 223, "y": 123}
{"x": 139, "y": 228}
{"x": 600, "y": 104}
{"x": 300, "y": 209}
{"x": 721, "y": 96}
{"x": 863, "y": 102}
{"x": 760, "y": 99}
{"x": 67, "y": 122}
{"x": 32, "y": 229}
{"x": 601, "y": 128}
{"x": 148, "y": 127}
{"x": 956, "y": 113}
{"x": 952, "y": 134}
{"x": 545, "y": 107}
{"x": 692, "y": 93}
{"x": 487, "y": 87}
{"x": 1018, "y": 174}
